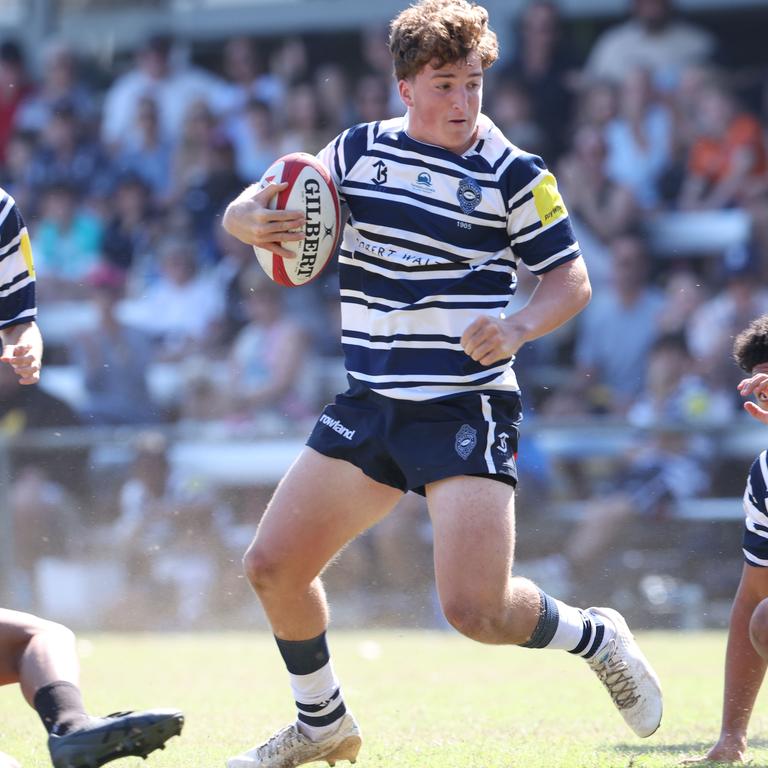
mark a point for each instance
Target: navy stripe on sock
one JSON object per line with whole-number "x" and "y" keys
{"x": 586, "y": 633}
{"x": 318, "y": 722}
{"x": 549, "y": 618}
{"x": 599, "y": 633}
{"x": 318, "y": 707}
{"x": 303, "y": 657}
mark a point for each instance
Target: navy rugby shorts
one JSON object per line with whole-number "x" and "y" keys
{"x": 408, "y": 444}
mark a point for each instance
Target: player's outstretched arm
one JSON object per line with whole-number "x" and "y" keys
{"x": 561, "y": 293}
{"x": 756, "y": 385}
{"x": 250, "y": 219}
{"x": 23, "y": 351}
{"x": 744, "y": 670}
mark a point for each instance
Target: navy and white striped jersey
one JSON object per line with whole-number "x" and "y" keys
{"x": 756, "y": 524}
{"x": 433, "y": 241}
{"x": 17, "y": 272}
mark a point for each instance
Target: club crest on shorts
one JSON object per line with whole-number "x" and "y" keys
{"x": 470, "y": 194}
{"x": 466, "y": 440}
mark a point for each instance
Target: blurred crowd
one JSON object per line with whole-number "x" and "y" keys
{"x": 153, "y": 315}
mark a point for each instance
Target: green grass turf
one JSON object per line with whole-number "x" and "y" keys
{"x": 424, "y": 700}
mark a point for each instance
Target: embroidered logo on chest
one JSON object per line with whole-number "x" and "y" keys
{"x": 469, "y": 194}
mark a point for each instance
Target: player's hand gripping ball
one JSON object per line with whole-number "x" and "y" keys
{"x": 312, "y": 191}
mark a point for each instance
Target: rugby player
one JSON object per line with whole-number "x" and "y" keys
{"x": 41, "y": 655}
{"x": 746, "y": 654}
{"x": 442, "y": 211}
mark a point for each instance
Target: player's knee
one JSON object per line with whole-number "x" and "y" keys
{"x": 758, "y": 629}
{"x": 56, "y": 634}
{"x": 473, "y": 620}
{"x": 264, "y": 570}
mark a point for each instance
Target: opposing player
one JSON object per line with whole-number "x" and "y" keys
{"x": 41, "y": 656}
{"x": 747, "y": 651}
{"x": 442, "y": 209}
{"x": 38, "y": 654}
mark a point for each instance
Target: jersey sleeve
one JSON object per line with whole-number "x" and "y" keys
{"x": 17, "y": 270}
{"x": 538, "y": 225}
{"x": 755, "y": 542}
{"x": 341, "y": 154}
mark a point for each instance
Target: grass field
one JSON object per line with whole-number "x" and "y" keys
{"x": 424, "y": 700}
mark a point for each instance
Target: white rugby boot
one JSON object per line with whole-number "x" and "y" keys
{"x": 289, "y": 748}
{"x": 628, "y": 676}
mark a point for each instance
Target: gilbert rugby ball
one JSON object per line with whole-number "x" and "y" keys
{"x": 311, "y": 190}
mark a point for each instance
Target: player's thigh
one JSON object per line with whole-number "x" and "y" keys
{"x": 319, "y": 506}
{"x": 16, "y": 630}
{"x": 473, "y": 521}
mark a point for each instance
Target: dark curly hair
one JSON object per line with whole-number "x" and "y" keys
{"x": 750, "y": 348}
{"x": 440, "y": 32}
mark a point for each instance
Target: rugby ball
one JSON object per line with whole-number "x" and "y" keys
{"x": 311, "y": 190}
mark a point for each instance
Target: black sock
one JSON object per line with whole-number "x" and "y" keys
{"x": 60, "y": 706}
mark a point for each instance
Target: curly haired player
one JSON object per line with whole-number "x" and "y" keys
{"x": 442, "y": 211}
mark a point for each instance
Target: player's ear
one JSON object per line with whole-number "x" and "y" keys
{"x": 405, "y": 89}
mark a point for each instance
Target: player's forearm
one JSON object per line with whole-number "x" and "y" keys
{"x": 560, "y": 295}
{"x": 744, "y": 669}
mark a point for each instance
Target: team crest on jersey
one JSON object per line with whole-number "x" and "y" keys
{"x": 470, "y": 194}
{"x": 466, "y": 440}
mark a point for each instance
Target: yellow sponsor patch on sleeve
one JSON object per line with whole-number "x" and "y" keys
{"x": 549, "y": 203}
{"x": 26, "y": 252}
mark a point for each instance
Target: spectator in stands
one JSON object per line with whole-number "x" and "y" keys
{"x": 156, "y": 75}
{"x": 15, "y": 89}
{"x": 371, "y": 101}
{"x": 600, "y": 207}
{"x": 60, "y": 84}
{"x": 168, "y": 537}
{"x": 206, "y": 194}
{"x": 128, "y": 234}
{"x": 332, "y": 88}
{"x": 16, "y": 171}
{"x": 545, "y": 66}
{"x": 267, "y": 364}
{"x": 712, "y": 327}
{"x": 190, "y": 159}
{"x": 728, "y": 158}
{"x": 617, "y": 330}
{"x": 113, "y": 358}
{"x": 664, "y": 467}
{"x": 67, "y": 243}
{"x": 654, "y": 39}
{"x": 597, "y": 104}
{"x": 512, "y": 111}
{"x": 301, "y": 131}
{"x": 180, "y": 308}
{"x": 147, "y": 152}
{"x": 684, "y": 293}
{"x": 255, "y": 140}
{"x": 66, "y": 154}
{"x": 289, "y": 63}
{"x": 639, "y": 139}
{"x": 246, "y": 77}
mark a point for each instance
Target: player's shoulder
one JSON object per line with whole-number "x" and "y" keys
{"x": 516, "y": 167}
{"x": 758, "y": 474}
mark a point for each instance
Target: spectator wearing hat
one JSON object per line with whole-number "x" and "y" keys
{"x": 113, "y": 358}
